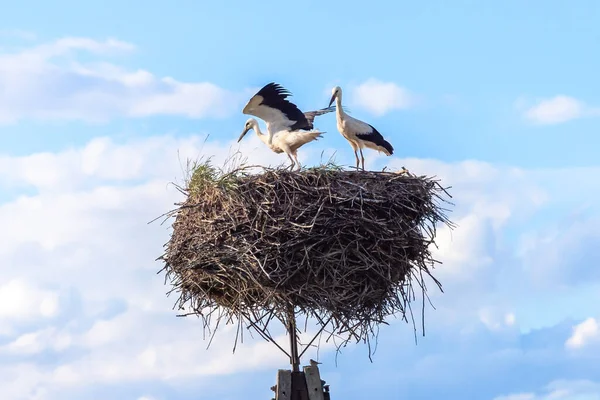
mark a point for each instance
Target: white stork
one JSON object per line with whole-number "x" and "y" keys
{"x": 358, "y": 133}
{"x": 282, "y": 141}
{"x": 270, "y": 105}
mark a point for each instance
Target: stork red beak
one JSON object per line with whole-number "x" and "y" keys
{"x": 331, "y": 101}
{"x": 243, "y": 134}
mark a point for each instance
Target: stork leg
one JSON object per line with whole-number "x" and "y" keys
{"x": 357, "y": 160}
{"x": 355, "y": 147}
{"x": 297, "y": 162}
{"x": 363, "y": 159}
{"x": 292, "y": 160}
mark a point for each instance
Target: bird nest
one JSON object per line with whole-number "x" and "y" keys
{"x": 343, "y": 248}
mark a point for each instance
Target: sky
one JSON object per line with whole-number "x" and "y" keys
{"x": 102, "y": 103}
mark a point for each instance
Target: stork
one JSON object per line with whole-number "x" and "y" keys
{"x": 287, "y": 142}
{"x": 271, "y": 105}
{"x": 358, "y": 133}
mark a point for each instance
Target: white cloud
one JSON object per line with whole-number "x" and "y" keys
{"x": 75, "y": 232}
{"x": 48, "y": 82}
{"x": 35, "y": 342}
{"x": 84, "y": 232}
{"x": 465, "y": 250}
{"x": 556, "y": 110}
{"x": 103, "y": 160}
{"x": 496, "y": 319}
{"x": 559, "y": 254}
{"x": 510, "y": 319}
{"x": 380, "y": 98}
{"x": 19, "y": 299}
{"x": 518, "y": 396}
{"x": 170, "y": 349}
{"x": 561, "y": 390}
{"x": 584, "y": 333}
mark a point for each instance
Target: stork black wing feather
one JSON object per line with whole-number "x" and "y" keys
{"x": 376, "y": 138}
{"x": 274, "y": 95}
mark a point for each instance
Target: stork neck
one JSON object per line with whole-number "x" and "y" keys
{"x": 338, "y": 105}
{"x": 262, "y": 136}
{"x": 257, "y": 130}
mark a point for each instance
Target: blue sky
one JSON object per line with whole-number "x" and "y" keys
{"x": 484, "y": 56}
{"x": 500, "y": 101}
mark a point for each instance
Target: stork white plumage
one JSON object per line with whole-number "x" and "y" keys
{"x": 358, "y": 133}
{"x": 287, "y": 142}
{"x": 271, "y": 105}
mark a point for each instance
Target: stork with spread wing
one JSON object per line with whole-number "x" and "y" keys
{"x": 271, "y": 105}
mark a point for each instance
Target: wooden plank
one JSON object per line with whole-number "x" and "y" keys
{"x": 284, "y": 385}
{"x": 313, "y": 381}
{"x": 299, "y": 388}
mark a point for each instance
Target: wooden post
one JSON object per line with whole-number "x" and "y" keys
{"x": 283, "y": 389}
{"x": 305, "y": 385}
{"x": 313, "y": 382}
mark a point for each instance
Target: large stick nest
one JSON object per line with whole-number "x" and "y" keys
{"x": 343, "y": 247}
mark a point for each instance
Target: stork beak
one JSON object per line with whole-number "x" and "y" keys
{"x": 331, "y": 101}
{"x": 243, "y": 134}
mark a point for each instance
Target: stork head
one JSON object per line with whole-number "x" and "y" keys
{"x": 250, "y": 124}
{"x": 335, "y": 92}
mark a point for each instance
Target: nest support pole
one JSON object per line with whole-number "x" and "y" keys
{"x": 299, "y": 389}
{"x": 291, "y": 325}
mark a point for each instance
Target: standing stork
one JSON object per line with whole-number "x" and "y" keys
{"x": 358, "y": 133}
{"x": 282, "y": 141}
{"x": 271, "y": 105}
